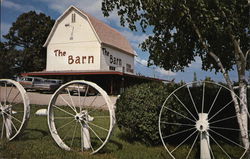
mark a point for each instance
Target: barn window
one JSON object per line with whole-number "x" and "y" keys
{"x": 73, "y": 18}
{"x": 112, "y": 68}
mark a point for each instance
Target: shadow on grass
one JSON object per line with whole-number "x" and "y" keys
{"x": 32, "y": 134}
{"x": 111, "y": 147}
{"x": 127, "y": 137}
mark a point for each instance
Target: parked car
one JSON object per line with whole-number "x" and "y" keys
{"x": 40, "y": 84}
{"x": 75, "y": 89}
{"x": 56, "y": 81}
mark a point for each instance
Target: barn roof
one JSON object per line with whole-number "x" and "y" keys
{"x": 105, "y": 34}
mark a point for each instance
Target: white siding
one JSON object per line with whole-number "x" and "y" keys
{"x": 75, "y": 46}
{"x": 84, "y": 44}
{"x": 116, "y": 59}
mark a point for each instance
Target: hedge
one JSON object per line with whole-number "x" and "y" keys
{"x": 138, "y": 108}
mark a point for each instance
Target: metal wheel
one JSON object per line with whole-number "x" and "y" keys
{"x": 14, "y": 109}
{"x": 203, "y": 126}
{"x": 81, "y": 116}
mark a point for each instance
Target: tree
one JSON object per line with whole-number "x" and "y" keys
{"x": 215, "y": 30}
{"x": 28, "y": 35}
{"x": 6, "y": 62}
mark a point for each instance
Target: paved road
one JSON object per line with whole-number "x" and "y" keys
{"x": 44, "y": 99}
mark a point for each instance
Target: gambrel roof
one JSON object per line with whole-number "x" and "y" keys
{"x": 105, "y": 34}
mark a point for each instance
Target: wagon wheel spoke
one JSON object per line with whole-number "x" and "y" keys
{"x": 74, "y": 133}
{"x": 227, "y": 138}
{"x": 189, "y": 152}
{"x": 100, "y": 127}
{"x": 9, "y": 93}
{"x": 185, "y": 107}
{"x": 216, "y": 125}
{"x": 73, "y": 108}
{"x": 63, "y": 110}
{"x": 95, "y": 124}
{"x": 220, "y": 147}
{"x": 211, "y": 107}
{"x": 221, "y": 109}
{"x": 15, "y": 97}
{"x": 85, "y": 96}
{"x": 179, "y": 114}
{"x": 14, "y": 113}
{"x": 224, "y": 128}
{"x": 94, "y": 133}
{"x": 5, "y": 97}
{"x": 12, "y": 117}
{"x": 63, "y": 117}
{"x": 179, "y": 124}
{"x": 183, "y": 141}
{"x": 210, "y": 149}
{"x": 2, "y": 127}
{"x": 192, "y": 99}
{"x": 227, "y": 118}
{"x": 94, "y": 109}
{"x": 203, "y": 97}
{"x": 73, "y": 104}
{"x": 177, "y": 133}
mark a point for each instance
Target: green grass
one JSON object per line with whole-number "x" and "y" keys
{"x": 36, "y": 142}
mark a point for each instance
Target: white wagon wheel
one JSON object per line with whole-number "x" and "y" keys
{"x": 81, "y": 116}
{"x": 14, "y": 109}
{"x": 203, "y": 127}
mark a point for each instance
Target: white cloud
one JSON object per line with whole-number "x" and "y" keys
{"x": 18, "y": 7}
{"x": 92, "y": 7}
{"x": 161, "y": 71}
{"x": 4, "y": 28}
{"x": 135, "y": 39}
{"x": 141, "y": 61}
{"x": 164, "y": 72}
{"x": 197, "y": 64}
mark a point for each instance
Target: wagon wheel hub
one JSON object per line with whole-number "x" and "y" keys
{"x": 83, "y": 116}
{"x": 5, "y": 109}
{"x": 202, "y": 124}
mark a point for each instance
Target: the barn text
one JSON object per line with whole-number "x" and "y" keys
{"x": 75, "y": 59}
{"x": 112, "y": 59}
{"x": 80, "y": 59}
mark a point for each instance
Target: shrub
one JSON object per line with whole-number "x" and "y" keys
{"x": 138, "y": 108}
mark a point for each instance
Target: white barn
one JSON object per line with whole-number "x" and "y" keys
{"x": 80, "y": 42}
{"x": 80, "y": 46}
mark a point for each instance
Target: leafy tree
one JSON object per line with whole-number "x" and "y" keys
{"x": 215, "y": 30}
{"x": 28, "y": 35}
{"x": 7, "y": 62}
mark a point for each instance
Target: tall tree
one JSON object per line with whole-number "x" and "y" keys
{"x": 216, "y": 30}
{"x": 7, "y": 65}
{"x": 28, "y": 35}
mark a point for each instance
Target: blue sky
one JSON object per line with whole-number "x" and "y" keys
{"x": 11, "y": 9}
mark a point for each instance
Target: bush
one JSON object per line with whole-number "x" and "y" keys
{"x": 138, "y": 108}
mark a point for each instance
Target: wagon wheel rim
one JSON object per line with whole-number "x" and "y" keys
{"x": 72, "y": 110}
{"x": 14, "y": 109}
{"x": 190, "y": 127}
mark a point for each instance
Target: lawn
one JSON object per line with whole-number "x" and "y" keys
{"x": 36, "y": 142}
